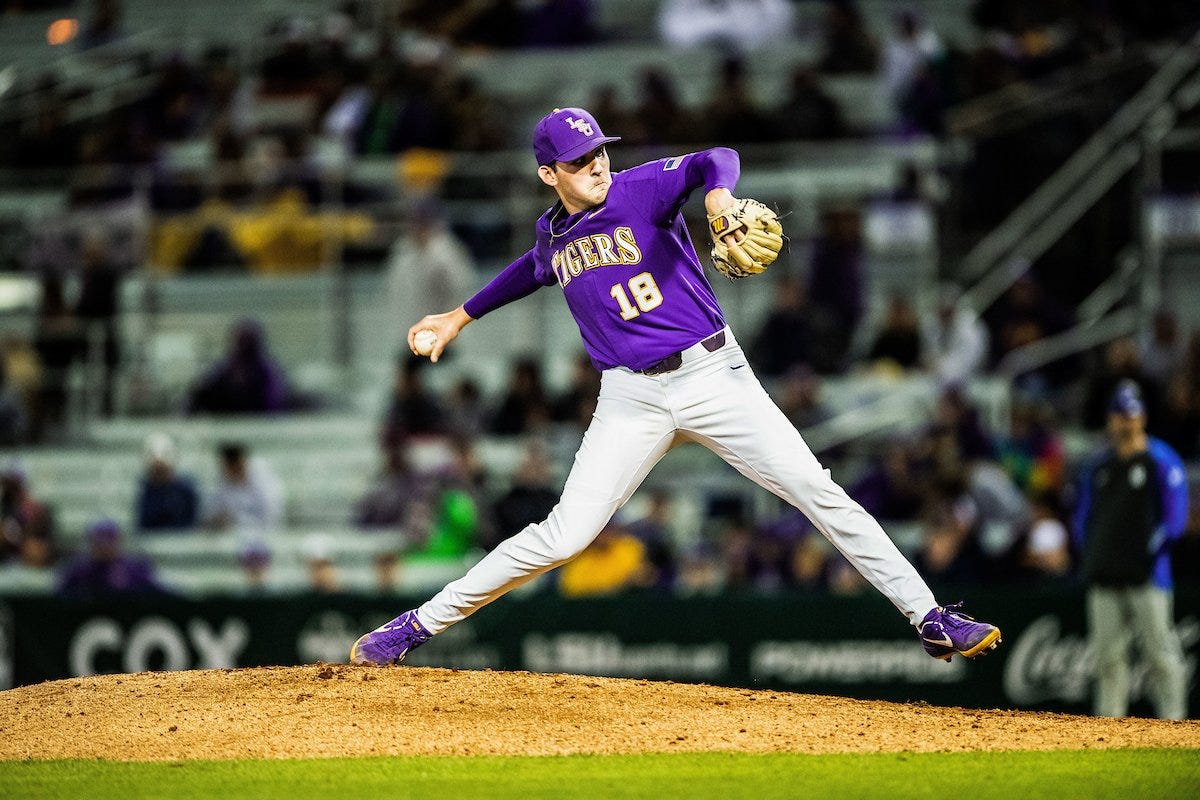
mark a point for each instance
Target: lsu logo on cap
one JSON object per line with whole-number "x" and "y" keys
{"x": 581, "y": 125}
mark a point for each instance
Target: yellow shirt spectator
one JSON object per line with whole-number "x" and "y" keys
{"x": 615, "y": 561}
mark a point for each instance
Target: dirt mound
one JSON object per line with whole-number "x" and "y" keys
{"x": 338, "y": 710}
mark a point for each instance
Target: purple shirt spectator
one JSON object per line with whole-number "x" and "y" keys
{"x": 246, "y": 381}
{"x": 395, "y": 492}
{"x": 105, "y": 571}
{"x": 891, "y": 490}
{"x": 958, "y": 419}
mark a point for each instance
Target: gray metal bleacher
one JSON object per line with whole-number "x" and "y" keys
{"x": 154, "y": 25}
{"x": 201, "y": 563}
{"x": 325, "y": 461}
{"x": 321, "y": 461}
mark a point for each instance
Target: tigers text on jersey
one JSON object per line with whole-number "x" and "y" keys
{"x": 628, "y": 269}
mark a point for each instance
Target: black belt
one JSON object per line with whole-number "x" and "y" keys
{"x": 675, "y": 360}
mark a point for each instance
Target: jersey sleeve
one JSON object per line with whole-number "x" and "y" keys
{"x": 660, "y": 188}
{"x": 1172, "y": 481}
{"x": 519, "y": 279}
{"x": 1083, "y": 503}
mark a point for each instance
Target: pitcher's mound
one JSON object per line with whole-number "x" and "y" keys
{"x": 339, "y": 710}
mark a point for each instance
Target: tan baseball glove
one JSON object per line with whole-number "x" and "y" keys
{"x": 758, "y": 238}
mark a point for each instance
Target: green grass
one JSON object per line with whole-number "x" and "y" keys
{"x": 1061, "y": 775}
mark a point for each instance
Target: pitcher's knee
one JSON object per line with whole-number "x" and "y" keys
{"x": 533, "y": 551}
{"x": 569, "y": 534}
{"x": 561, "y": 551}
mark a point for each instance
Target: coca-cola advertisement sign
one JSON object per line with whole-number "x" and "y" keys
{"x": 1047, "y": 664}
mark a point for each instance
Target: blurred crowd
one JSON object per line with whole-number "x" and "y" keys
{"x": 386, "y": 81}
{"x": 988, "y": 505}
{"x": 239, "y": 154}
{"x": 980, "y": 505}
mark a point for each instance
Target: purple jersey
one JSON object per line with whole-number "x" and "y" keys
{"x": 627, "y": 267}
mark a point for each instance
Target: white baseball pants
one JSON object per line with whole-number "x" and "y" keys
{"x": 716, "y": 400}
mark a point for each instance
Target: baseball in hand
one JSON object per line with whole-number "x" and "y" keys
{"x": 424, "y": 341}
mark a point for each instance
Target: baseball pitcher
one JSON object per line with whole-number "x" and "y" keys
{"x": 617, "y": 246}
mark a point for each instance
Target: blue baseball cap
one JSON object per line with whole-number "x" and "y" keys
{"x": 1127, "y": 400}
{"x": 565, "y": 134}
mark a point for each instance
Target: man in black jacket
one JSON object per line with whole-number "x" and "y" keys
{"x": 1132, "y": 507}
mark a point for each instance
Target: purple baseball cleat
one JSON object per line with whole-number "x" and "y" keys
{"x": 946, "y": 631}
{"x": 390, "y": 643}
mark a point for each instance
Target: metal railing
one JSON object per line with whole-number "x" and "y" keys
{"x": 1002, "y": 257}
{"x": 994, "y": 263}
{"x": 1105, "y": 297}
{"x": 1018, "y": 104}
{"x": 1078, "y": 339}
{"x": 110, "y": 71}
{"x": 887, "y": 413}
{"x": 1044, "y": 231}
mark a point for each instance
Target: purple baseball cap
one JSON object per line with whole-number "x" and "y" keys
{"x": 1127, "y": 400}
{"x": 565, "y": 134}
{"x": 104, "y": 531}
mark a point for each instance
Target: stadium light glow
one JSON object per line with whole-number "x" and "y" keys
{"x": 62, "y": 31}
